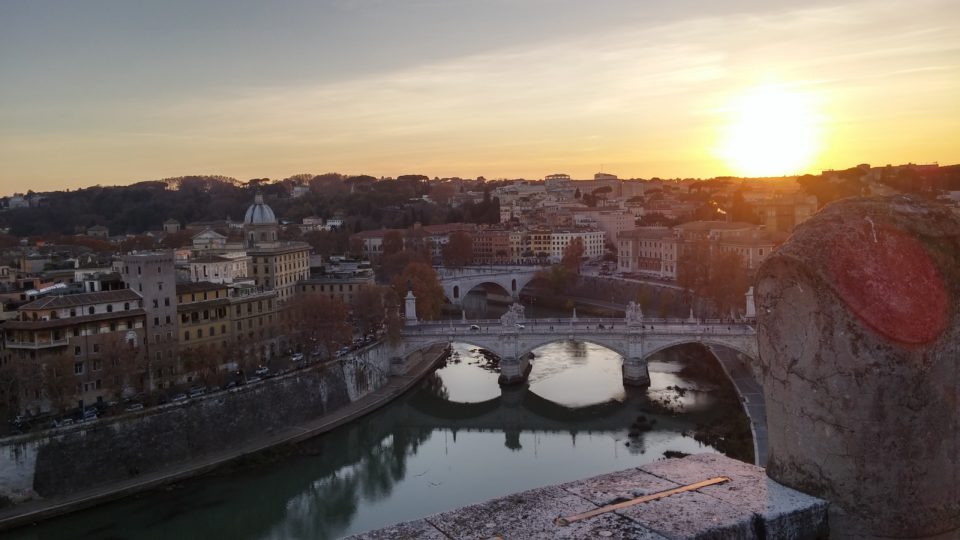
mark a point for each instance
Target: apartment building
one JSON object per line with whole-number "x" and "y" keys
{"x": 76, "y": 350}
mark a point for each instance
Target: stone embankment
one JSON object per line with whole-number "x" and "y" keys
{"x": 748, "y": 506}
{"x": 63, "y": 470}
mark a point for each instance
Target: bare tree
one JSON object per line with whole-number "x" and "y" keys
{"x": 318, "y": 322}
{"x": 458, "y": 251}
{"x": 368, "y": 310}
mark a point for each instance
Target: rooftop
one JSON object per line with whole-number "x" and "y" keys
{"x": 83, "y": 299}
{"x": 200, "y": 286}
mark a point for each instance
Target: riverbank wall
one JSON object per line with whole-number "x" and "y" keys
{"x": 106, "y": 457}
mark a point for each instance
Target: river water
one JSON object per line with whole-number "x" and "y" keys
{"x": 458, "y": 438}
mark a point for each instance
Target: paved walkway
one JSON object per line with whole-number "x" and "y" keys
{"x": 34, "y": 511}
{"x": 751, "y": 394}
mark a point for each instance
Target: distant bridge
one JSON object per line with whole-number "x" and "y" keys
{"x": 457, "y": 282}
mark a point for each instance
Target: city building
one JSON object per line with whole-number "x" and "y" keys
{"x": 205, "y": 327}
{"x": 76, "y": 350}
{"x": 492, "y": 246}
{"x": 171, "y": 226}
{"x": 255, "y": 319}
{"x": 273, "y": 264}
{"x": 651, "y": 251}
{"x": 152, "y": 275}
{"x": 223, "y": 268}
{"x": 99, "y": 231}
{"x": 343, "y": 286}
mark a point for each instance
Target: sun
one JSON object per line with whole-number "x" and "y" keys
{"x": 773, "y": 131}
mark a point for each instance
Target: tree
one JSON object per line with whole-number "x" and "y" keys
{"x": 59, "y": 381}
{"x": 422, "y": 278}
{"x": 458, "y": 251}
{"x": 573, "y": 256}
{"x": 392, "y": 242}
{"x": 442, "y": 192}
{"x": 558, "y": 277}
{"x": 10, "y": 391}
{"x": 368, "y": 310}
{"x": 577, "y": 194}
{"x": 693, "y": 267}
{"x": 317, "y": 321}
{"x": 727, "y": 282}
{"x": 656, "y": 218}
{"x": 356, "y": 247}
{"x": 178, "y": 239}
{"x": 140, "y": 242}
{"x": 122, "y": 363}
{"x": 741, "y": 210}
{"x": 393, "y": 322}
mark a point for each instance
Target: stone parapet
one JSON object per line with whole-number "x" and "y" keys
{"x": 749, "y": 506}
{"x": 859, "y": 340}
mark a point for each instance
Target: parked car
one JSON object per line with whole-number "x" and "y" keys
{"x": 253, "y": 380}
{"x": 178, "y": 398}
{"x": 296, "y": 357}
{"x": 519, "y": 326}
{"x": 135, "y": 407}
{"x": 474, "y": 328}
{"x": 262, "y": 370}
{"x": 197, "y": 391}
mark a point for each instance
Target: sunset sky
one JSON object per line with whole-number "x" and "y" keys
{"x": 112, "y": 92}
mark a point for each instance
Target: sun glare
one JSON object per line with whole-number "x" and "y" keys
{"x": 772, "y": 131}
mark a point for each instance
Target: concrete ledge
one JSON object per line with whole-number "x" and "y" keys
{"x": 750, "y": 506}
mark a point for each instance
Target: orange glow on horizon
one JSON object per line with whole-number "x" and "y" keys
{"x": 772, "y": 131}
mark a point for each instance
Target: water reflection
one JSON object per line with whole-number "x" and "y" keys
{"x": 457, "y": 440}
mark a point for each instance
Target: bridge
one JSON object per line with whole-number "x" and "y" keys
{"x": 457, "y": 282}
{"x": 513, "y": 337}
{"x": 634, "y": 337}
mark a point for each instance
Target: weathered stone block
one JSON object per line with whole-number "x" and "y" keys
{"x": 859, "y": 341}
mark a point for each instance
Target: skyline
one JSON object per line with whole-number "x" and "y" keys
{"x": 108, "y": 93}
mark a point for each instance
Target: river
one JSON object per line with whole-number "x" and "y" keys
{"x": 458, "y": 438}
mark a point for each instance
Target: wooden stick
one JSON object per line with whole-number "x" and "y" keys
{"x": 564, "y": 521}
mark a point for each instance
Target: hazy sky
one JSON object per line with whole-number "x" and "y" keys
{"x": 114, "y": 92}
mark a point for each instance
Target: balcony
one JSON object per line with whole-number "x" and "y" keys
{"x": 39, "y": 344}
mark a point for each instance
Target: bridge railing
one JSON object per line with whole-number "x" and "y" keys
{"x": 590, "y": 325}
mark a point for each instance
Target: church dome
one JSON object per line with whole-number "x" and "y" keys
{"x": 259, "y": 213}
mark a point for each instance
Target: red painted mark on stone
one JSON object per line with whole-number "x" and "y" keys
{"x": 888, "y": 280}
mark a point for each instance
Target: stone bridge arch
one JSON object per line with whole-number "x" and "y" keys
{"x": 747, "y": 347}
{"x": 457, "y": 283}
{"x": 615, "y": 345}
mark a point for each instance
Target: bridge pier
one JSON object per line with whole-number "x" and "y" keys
{"x": 635, "y": 372}
{"x": 514, "y": 370}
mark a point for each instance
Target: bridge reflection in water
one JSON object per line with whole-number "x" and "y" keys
{"x": 458, "y": 439}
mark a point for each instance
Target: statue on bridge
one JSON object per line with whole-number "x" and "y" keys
{"x": 633, "y": 314}
{"x": 513, "y": 316}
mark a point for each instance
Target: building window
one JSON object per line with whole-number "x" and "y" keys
{"x": 78, "y": 368}
{"x": 199, "y": 333}
{"x": 166, "y": 301}
{"x": 90, "y": 310}
{"x": 76, "y": 351}
{"x": 186, "y": 335}
{"x": 156, "y": 303}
